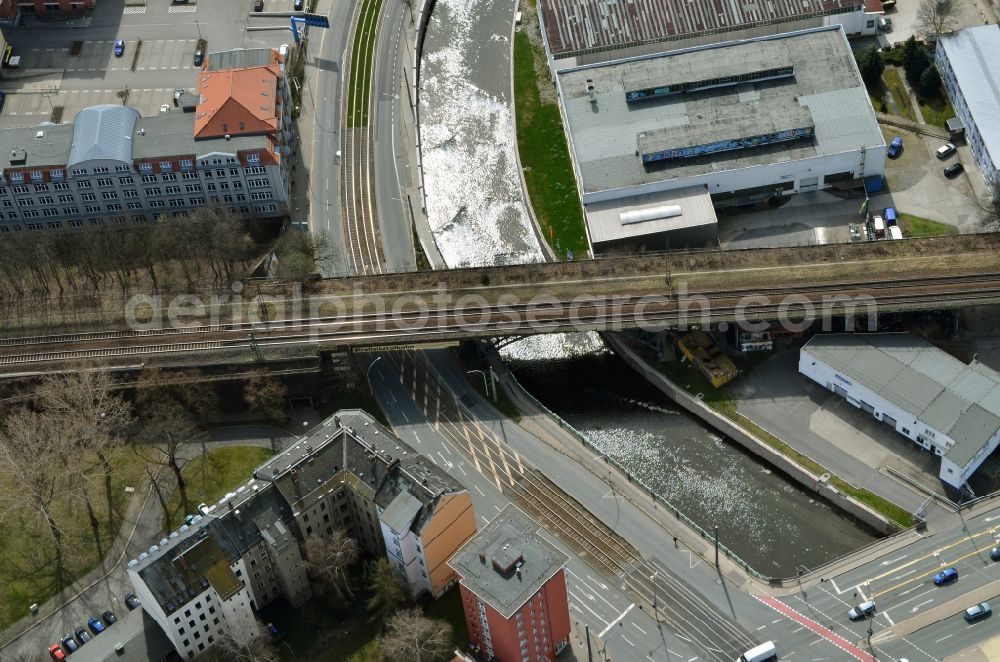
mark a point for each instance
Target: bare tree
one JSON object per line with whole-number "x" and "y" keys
{"x": 187, "y": 388}
{"x": 91, "y": 413}
{"x": 31, "y": 473}
{"x": 386, "y": 591}
{"x": 330, "y": 558}
{"x": 412, "y": 637}
{"x": 170, "y": 431}
{"x": 258, "y": 648}
{"x": 267, "y": 394}
{"x": 303, "y": 253}
{"x": 935, "y": 18}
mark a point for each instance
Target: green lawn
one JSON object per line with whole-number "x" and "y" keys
{"x": 362, "y": 51}
{"x": 936, "y": 111}
{"x": 694, "y": 382}
{"x": 27, "y": 571}
{"x": 914, "y": 226}
{"x": 548, "y": 172}
{"x": 211, "y": 475}
{"x": 898, "y": 92}
{"x": 503, "y": 403}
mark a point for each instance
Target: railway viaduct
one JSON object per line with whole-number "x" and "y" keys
{"x": 654, "y": 291}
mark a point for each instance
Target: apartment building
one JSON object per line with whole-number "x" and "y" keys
{"x": 112, "y": 166}
{"x": 514, "y": 591}
{"x": 210, "y": 577}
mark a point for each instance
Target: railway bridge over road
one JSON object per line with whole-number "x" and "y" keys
{"x": 652, "y": 291}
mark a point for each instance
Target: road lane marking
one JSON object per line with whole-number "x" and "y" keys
{"x": 481, "y": 493}
{"x": 947, "y": 636}
{"x": 625, "y": 639}
{"x": 620, "y": 617}
{"x": 816, "y": 628}
{"x": 944, "y": 564}
{"x": 638, "y": 628}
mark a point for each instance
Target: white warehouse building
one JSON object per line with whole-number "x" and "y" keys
{"x": 969, "y": 62}
{"x": 681, "y": 133}
{"x": 947, "y": 407}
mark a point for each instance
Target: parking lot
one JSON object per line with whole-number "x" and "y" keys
{"x": 64, "y": 70}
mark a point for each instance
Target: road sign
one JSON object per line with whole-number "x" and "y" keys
{"x": 317, "y": 20}
{"x": 444, "y": 344}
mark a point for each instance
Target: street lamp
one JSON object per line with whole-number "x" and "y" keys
{"x": 198, "y": 27}
{"x": 368, "y": 373}
{"x": 656, "y": 614}
{"x": 486, "y": 385}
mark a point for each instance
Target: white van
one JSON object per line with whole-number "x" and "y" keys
{"x": 766, "y": 651}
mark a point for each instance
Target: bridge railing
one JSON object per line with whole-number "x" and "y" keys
{"x": 680, "y": 515}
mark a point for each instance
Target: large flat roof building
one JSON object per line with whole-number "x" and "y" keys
{"x": 969, "y": 62}
{"x": 593, "y": 29}
{"x": 742, "y": 121}
{"x": 947, "y": 407}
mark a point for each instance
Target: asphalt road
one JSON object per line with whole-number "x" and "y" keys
{"x": 323, "y": 96}
{"x": 640, "y": 638}
{"x": 915, "y": 618}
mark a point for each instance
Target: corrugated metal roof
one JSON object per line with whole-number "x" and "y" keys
{"x": 959, "y": 400}
{"x": 574, "y": 26}
{"x": 103, "y": 133}
{"x": 974, "y": 55}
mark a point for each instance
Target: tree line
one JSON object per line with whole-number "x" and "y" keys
{"x": 212, "y": 246}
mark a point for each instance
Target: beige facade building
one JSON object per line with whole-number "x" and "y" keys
{"x": 235, "y": 556}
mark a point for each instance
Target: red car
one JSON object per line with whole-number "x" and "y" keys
{"x": 56, "y": 652}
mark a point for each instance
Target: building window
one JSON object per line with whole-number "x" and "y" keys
{"x": 253, "y": 158}
{"x": 186, "y": 164}
{"x": 110, "y": 195}
{"x": 61, "y": 186}
{"x": 37, "y": 176}
{"x": 157, "y": 204}
{"x": 166, "y": 166}
{"x": 123, "y": 168}
{"x": 79, "y": 172}
{"x": 57, "y": 174}
{"x": 17, "y": 177}
{"x": 45, "y": 200}
{"x": 194, "y": 188}
{"x": 83, "y": 184}
{"x": 125, "y": 181}
{"x": 130, "y": 193}
{"x": 254, "y": 170}
{"x": 170, "y": 177}
{"x": 105, "y": 182}
{"x": 173, "y": 190}
{"x": 114, "y": 206}
{"x": 145, "y": 167}
{"x": 135, "y": 205}
{"x": 88, "y": 197}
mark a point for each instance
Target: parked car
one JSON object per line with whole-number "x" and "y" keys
{"x": 954, "y": 170}
{"x": 69, "y": 644}
{"x": 81, "y": 635}
{"x": 298, "y": 5}
{"x": 199, "y": 58}
{"x": 944, "y": 151}
{"x": 56, "y": 652}
{"x": 119, "y": 48}
{"x": 3, "y": 99}
{"x": 889, "y": 214}
{"x": 863, "y": 610}
{"x": 95, "y": 625}
{"x": 131, "y": 601}
{"x": 946, "y": 576}
{"x": 895, "y": 147}
{"x": 995, "y": 553}
{"x": 258, "y": 5}
{"x": 109, "y": 617}
{"x": 982, "y": 610}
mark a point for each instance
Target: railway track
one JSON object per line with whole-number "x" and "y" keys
{"x": 424, "y": 326}
{"x": 678, "y": 605}
{"x": 361, "y": 229}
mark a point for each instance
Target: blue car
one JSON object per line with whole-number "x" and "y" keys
{"x": 890, "y": 216}
{"x": 119, "y": 48}
{"x": 945, "y": 576}
{"x": 95, "y": 625}
{"x": 895, "y": 147}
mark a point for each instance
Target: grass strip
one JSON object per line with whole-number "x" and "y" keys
{"x": 362, "y": 59}
{"x": 899, "y": 95}
{"x": 541, "y": 143}
{"x": 915, "y": 226}
{"x": 211, "y": 475}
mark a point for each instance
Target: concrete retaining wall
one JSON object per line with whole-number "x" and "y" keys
{"x": 746, "y": 439}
